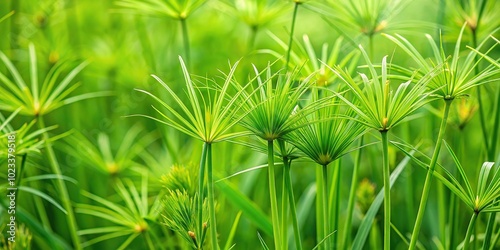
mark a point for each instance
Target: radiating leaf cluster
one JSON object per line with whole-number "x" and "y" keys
{"x": 303, "y": 54}
{"x": 328, "y": 134}
{"x": 255, "y": 13}
{"x": 458, "y": 75}
{"x": 376, "y": 104}
{"x": 208, "y": 116}
{"x": 274, "y": 111}
{"x": 129, "y": 219}
{"x": 37, "y": 97}
{"x": 177, "y": 9}
{"x": 107, "y": 156}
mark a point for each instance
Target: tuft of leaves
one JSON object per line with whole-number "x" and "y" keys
{"x": 179, "y": 212}
{"x": 37, "y": 99}
{"x": 377, "y": 106}
{"x": 457, "y": 76}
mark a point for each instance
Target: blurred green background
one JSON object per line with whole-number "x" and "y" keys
{"x": 102, "y": 148}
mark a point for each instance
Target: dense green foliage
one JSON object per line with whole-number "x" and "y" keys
{"x": 250, "y": 124}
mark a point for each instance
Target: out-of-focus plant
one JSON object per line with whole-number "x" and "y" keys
{"x": 304, "y": 55}
{"x": 176, "y": 9}
{"x": 132, "y": 219}
{"x": 480, "y": 15}
{"x": 101, "y": 155}
{"x": 366, "y": 18}
{"x": 37, "y": 100}
{"x": 22, "y": 240}
{"x": 257, "y": 14}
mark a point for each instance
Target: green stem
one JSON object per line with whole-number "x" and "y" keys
{"x": 479, "y": 96}
{"x": 442, "y": 204}
{"x": 495, "y": 240}
{"x": 469, "y": 230}
{"x": 21, "y": 169}
{"x": 19, "y": 175}
{"x": 325, "y": 219}
{"x": 491, "y": 157}
{"x": 320, "y": 233}
{"x": 185, "y": 39}
{"x": 211, "y": 200}
{"x": 452, "y": 220}
{"x": 251, "y": 38}
{"x": 290, "y": 41}
{"x": 334, "y": 205}
{"x": 201, "y": 181}
{"x": 63, "y": 191}
{"x": 284, "y": 209}
{"x": 387, "y": 191}
{"x": 272, "y": 195}
{"x": 352, "y": 195}
{"x": 428, "y": 177}
{"x": 145, "y": 42}
{"x": 149, "y": 242}
{"x": 291, "y": 200}
{"x": 440, "y": 17}
{"x": 372, "y": 47}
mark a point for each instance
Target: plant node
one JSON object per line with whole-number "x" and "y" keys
{"x": 140, "y": 227}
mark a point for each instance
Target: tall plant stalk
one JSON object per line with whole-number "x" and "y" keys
{"x": 470, "y": 228}
{"x": 324, "y": 218}
{"x": 63, "y": 191}
{"x": 320, "y": 231}
{"x": 211, "y": 200}
{"x": 428, "y": 177}
{"x": 201, "y": 183}
{"x": 387, "y": 190}
{"x": 290, "y": 41}
{"x": 335, "y": 204}
{"x": 284, "y": 211}
{"x": 272, "y": 195}
{"x": 352, "y": 195}
{"x": 291, "y": 201}
{"x": 185, "y": 39}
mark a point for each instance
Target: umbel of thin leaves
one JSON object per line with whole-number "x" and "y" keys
{"x": 483, "y": 200}
{"x": 36, "y": 97}
{"x": 327, "y": 135}
{"x": 304, "y": 54}
{"x": 377, "y": 105}
{"x": 102, "y": 157}
{"x": 482, "y": 17}
{"x": 177, "y": 9}
{"x": 364, "y": 17}
{"x": 27, "y": 140}
{"x": 457, "y": 76}
{"x": 270, "y": 113}
{"x": 255, "y": 14}
{"x": 207, "y": 119}
{"x": 130, "y": 219}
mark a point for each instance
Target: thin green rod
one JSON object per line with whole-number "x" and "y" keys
{"x": 428, "y": 177}
{"x": 63, "y": 191}
{"x": 387, "y": 191}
